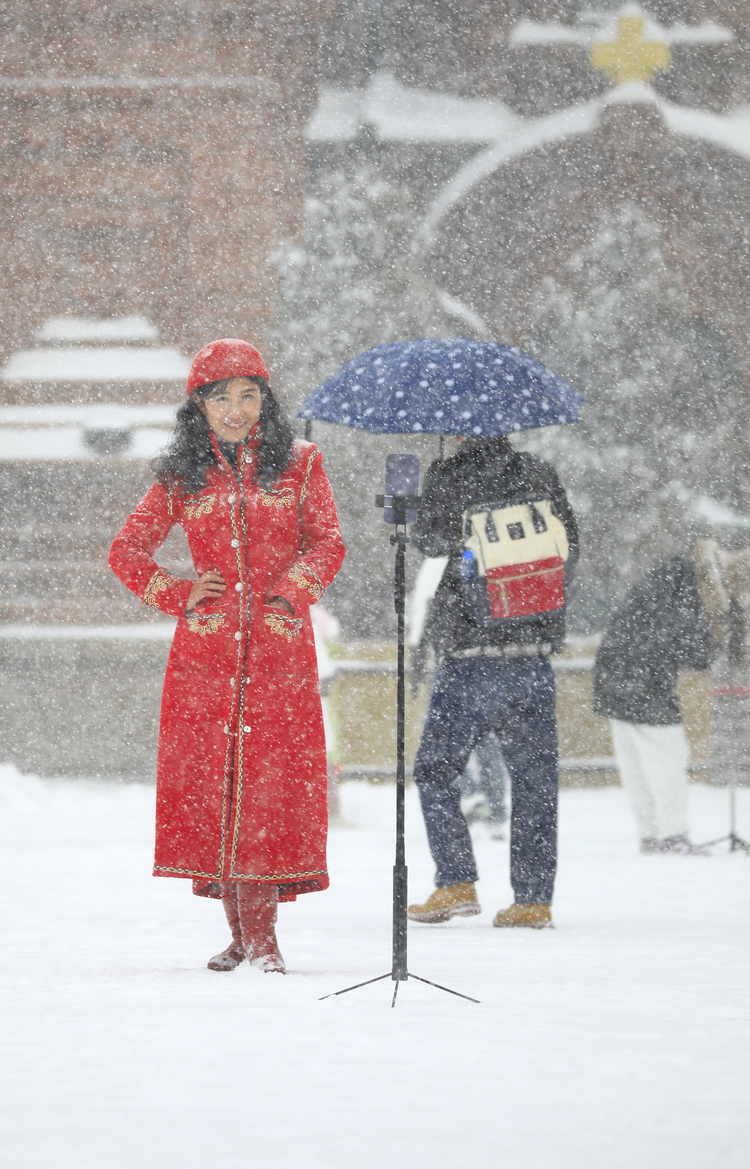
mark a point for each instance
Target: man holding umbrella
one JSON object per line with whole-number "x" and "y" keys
{"x": 497, "y": 514}
{"x": 505, "y": 524}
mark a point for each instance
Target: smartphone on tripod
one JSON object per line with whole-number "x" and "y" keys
{"x": 401, "y": 478}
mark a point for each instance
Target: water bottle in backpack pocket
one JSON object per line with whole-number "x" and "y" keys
{"x": 513, "y": 564}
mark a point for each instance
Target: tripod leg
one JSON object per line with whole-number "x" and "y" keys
{"x": 395, "y": 992}
{"x": 711, "y": 843}
{"x": 346, "y": 989}
{"x": 736, "y": 843}
{"x": 447, "y": 989}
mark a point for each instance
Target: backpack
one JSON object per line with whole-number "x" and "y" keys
{"x": 513, "y": 564}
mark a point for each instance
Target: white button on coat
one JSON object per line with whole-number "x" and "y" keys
{"x": 232, "y": 498}
{"x": 237, "y": 635}
{"x": 235, "y": 543}
{"x": 238, "y": 586}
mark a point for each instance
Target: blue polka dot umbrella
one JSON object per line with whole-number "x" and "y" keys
{"x": 444, "y": 387}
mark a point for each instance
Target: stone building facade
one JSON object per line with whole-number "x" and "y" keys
{"x": 539, "y": 207}
{"x": 151, "y": 158}
{"x": 151, "y": 155}
{"x": 502, "y": 214}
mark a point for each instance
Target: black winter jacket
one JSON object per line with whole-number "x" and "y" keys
{"x": 660, "y": 629}
{"x": 484, "y": 470}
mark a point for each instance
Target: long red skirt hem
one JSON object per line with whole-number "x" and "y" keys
{"x": 287, "y": 892}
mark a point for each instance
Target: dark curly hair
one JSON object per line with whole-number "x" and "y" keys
{"x": 190, "y": 453}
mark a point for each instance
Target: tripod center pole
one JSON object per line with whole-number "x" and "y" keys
{"x": 400, "y": 884}
{"x": 397, "y": 507}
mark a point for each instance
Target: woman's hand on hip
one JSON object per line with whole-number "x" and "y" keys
{"x": 207, "y": 588}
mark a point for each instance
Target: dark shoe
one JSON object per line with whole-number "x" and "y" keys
{"x": 530, "y": 917}
{"x": 450, "y": 901}
{"x": 650, "y": 844}
{"x": 682, "y": 845}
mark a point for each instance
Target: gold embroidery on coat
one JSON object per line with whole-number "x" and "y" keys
{"x": 288, "y": 627}
{"x": 203, "y": 623}
{"x": 188, "y": 872}
{"x": 307, "y": 475}
{"x": 159, "y": 583}
{"x": 278, "y": 878}
{"x": 299, "y": 574}
{"x": 282, "y": 498}
{"x": 203, "y": 505}
{"x": 232, "y": 764}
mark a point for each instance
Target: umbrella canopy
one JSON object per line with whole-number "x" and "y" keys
{"x": 444, "y": 387}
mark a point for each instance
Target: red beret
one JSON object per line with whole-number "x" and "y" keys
{"x": 224, "y": 359}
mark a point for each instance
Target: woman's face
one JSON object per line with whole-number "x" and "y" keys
{"x": 233, "y": 411}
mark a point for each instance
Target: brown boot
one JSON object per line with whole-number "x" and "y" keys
{"x": 230, "y": 958}
{"x": 258, "y": 906}
{"x": 530, "y": 917}
{"x": 450, "y": 901}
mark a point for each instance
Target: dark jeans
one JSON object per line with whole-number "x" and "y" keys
{"x": 515, "y": 697}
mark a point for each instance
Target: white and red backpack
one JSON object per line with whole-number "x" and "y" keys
{"x": 513, "y": 564}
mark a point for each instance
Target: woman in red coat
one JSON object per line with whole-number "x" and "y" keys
{"x": 241, "y": 780}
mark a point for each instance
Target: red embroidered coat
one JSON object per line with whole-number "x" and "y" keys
{"x": 241, "y": 780}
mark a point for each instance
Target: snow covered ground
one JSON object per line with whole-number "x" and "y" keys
{"x": 619, "y": 1039}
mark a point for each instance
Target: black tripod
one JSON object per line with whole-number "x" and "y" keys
{"x": 735, "y": 693}
{"x": 399, "y": 971}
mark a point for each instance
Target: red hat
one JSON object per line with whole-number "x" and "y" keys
{"x": 224, "y": 359}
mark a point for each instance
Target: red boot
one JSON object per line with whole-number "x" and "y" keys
{"x": 258, "y": 904}
{"x": 230, "y": 958}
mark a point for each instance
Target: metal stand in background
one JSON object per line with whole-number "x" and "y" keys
{"x": 733, "y": 693}
{"x": 399, "y": 971}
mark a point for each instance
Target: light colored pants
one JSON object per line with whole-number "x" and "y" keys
{"x": 653, "y": 767}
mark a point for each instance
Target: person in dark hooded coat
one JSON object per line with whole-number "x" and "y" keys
{"x": 673, "y": 619}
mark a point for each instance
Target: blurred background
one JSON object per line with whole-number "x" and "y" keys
{"x": 319, "y": 177}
